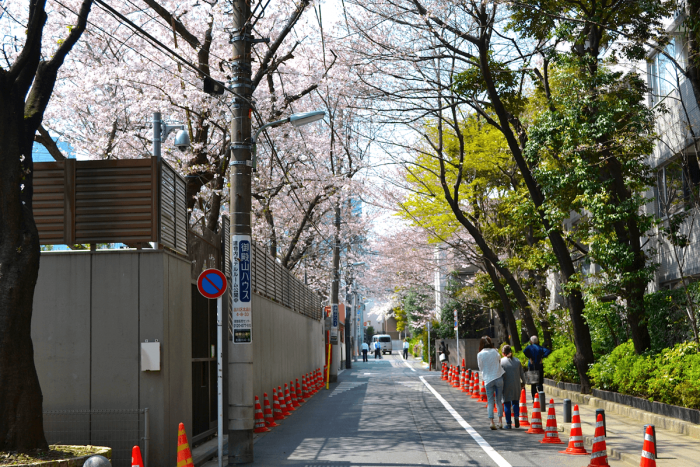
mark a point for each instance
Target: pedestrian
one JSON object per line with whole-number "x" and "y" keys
{"x": 536, "y": 354}
{"x": 365, "y": 349}
{"x": 377, "y": 350}
{"x": 513, "y": 383}
{"x": 492, "y": 375}
{"x": 405, "y": 349}
{"x": 444, "y": 349}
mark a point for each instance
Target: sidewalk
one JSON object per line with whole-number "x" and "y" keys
{"x": 625, "y": 437}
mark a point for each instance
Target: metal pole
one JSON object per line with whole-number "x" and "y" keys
{"x": 157, "y": 132}
{"x": 430, "y": 353}
{"x": 220, "y": 378}
{"x": 353, "y": 319}
{"x": 241, "y": 403}
{"x": 146, "y": 436}
{"x": 335, "y": 284}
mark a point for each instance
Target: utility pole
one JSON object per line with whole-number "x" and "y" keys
{"x": 335, "y": 285}
{"x": 241, "y": 402}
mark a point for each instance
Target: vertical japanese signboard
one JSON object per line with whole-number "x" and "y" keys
{"x": 334, "y": 323}
{"x": 241, "y": 313}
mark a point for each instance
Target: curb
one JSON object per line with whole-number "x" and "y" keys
{"x": 660, "y": 421}
{"x": 615, "y": 453}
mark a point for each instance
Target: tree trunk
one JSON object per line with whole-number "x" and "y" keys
{"x": 21, "y": 422}
{"x": 509, "y": 322}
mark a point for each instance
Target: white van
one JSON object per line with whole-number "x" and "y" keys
{"x": 384, "y": 340}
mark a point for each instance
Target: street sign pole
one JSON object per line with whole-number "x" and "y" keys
{"x": 457, "y": 336}
{"x": 212, "y": 284}
{"x": 220, "y": 378}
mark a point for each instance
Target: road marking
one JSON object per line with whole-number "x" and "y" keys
{"x": 412, "y": 369}
{"x": 492, "y": 453}
{"x": 346, "y": 386}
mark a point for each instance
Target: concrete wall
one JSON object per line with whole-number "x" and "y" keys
{"x": 286, "y": 345}
{"x": 468, "y": 348}
{"x": 91, "y": 312}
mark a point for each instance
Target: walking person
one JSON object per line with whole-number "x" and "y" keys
{"x": 377, "y": 350}
{"x": 513, "y": 383}
{"x": 365, "y": 349}
{"x": 405, "y": 349}
{"x": 489, "y": 362}
{"x": 444, "y": 349}
{"x": 536, "y": 354}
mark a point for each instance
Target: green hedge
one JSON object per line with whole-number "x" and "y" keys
{"x": 671, "y": 377}
{"x": 560, "y": 366}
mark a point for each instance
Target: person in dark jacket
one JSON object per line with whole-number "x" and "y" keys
{"x": 444, "y": 348}
{"x": 536, "y": 354}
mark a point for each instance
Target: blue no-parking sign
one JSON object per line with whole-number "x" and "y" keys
{"x": 212, "y": 283}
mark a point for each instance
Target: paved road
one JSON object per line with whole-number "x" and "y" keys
{"x": 384, "y": 413}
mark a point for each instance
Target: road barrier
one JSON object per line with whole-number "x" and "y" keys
{"x": 551, "y": 432}
{"x": 536, "y": 421}
{"x": 648, "y": 450}
{"x": 522, "y": 418}
{"x": 184, "y": 455}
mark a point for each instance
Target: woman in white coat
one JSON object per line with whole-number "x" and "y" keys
{"x": 489, "y": 361}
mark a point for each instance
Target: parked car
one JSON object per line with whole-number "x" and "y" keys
{"x": 385, "y": 341}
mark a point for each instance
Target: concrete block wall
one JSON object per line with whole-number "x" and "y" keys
{"x": 286, "y": 345}
{"x": 91, "y": 312}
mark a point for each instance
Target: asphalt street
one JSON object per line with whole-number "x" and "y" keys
{"x": 392, "y": 413}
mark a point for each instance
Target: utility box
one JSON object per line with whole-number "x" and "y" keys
{"x": 150, "y": 356}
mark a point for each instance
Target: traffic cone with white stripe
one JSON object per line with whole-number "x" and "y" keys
{"x": 304, "y": 394}
{"x": 522, "y": 419}
{"x": 484, "y": 397}
{"x": 599, "y": 452}
{"x": 455, "y": 377}
{"x": 648, "y": 450}
{"x": 465, "y": 382}
{"x": 443, "y": 372}
{"x": 293, "y": 392}
{"x": 475, "y": 386}
{"x": 136, "y": 459}
{"x": 288, "y": 399}
{"x": 551, "y": 432}
{"x": 267, "y": 412}
{"x": 536, "y": 421}
{"x": 298, "y": 392}
{"x": 184, "y": 454}
{"x": 277, "y": 409}
{"x": 259, "y": 418}
{"x": 576, "y": 436}
{"x": 283, "y": 403}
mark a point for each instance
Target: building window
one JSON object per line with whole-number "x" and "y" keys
{"x": 662, "y": 72}
{"x": 678, "y": 185}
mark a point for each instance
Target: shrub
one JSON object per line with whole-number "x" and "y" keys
{"x": 559, "y": 366}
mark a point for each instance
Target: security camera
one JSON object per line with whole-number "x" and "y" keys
{"x": 182, "y": 140}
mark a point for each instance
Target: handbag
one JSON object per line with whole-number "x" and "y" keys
{"x": 532, "y": 377}
{"x": 442, "y": 357}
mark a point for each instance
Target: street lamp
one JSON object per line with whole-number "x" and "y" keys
{"x": 297, "y": 120}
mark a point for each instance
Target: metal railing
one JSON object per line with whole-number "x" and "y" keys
{"x": 120, "y": 430}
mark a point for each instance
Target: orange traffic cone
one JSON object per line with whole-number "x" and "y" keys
{"x": 302, "y": 394}
{"x": 443, "y": 372}
{"x": 298, "y": 392}
{"x": 648, "y": 450}
{"x": 536, "y": 422}
{"x": 576, "y": 436}
{"x": 293, "y": 395}
{"x": 288, "y": 399}
{"x": 267, "y": 412}
{"x": 283, "y": 402}
{"x": 277, "y": 415}
{"x": 259, "y": 418}
{"x": 551, "y": 433}
{"x": 464, "y": 383}
{"x": 136, "y": 460}
{"x": 599, "y": 453}
{"x": 475, "y": 388}
{"x": 313, "y": 384}
{"x": 483, "y": 397}
{"x": 184, "y": 455}
{"x": 522, "y": 420}
{"x": 455, "y": 377}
